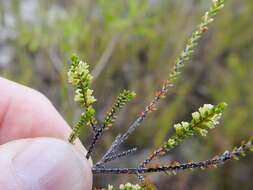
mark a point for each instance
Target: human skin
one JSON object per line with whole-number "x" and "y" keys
{"x": 34, "y": 152}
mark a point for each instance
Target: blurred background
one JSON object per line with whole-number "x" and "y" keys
{"x": 132, "y": 44}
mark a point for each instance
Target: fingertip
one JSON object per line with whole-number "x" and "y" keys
{"x": 46, "y": 164}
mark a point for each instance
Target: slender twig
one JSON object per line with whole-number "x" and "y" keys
{"x": 104, "y": 59}
{"x": 117, "y": 156}
{"x": 55, "y": 59}
{"x": 98, "y": 133}
{"x": 111, "y": 46}
{"x": 111, "y": 151}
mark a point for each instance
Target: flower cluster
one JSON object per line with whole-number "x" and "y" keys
{"x": 127, "y": 186}
{"x": 79, "y": 76}
{"x": 207, "y": 117}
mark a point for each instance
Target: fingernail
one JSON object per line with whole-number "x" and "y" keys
{"x": 51, "y": 165}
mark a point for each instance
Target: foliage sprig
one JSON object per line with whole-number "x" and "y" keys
{"x": 122, "y": 99}
{"x": 207, "y": 117}
{"x": 192, "y": 42}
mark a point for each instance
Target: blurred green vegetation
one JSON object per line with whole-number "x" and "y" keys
{"x": 131, "y": 44}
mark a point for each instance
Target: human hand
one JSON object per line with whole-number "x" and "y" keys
{"x": 33, "y": 154}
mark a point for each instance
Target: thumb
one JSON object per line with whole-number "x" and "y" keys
{"x": 43, "y": 164}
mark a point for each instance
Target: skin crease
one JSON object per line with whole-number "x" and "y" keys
{"x": 34, "y": 153}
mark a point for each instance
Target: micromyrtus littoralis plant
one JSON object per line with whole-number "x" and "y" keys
{"x": 205, "y": 118}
